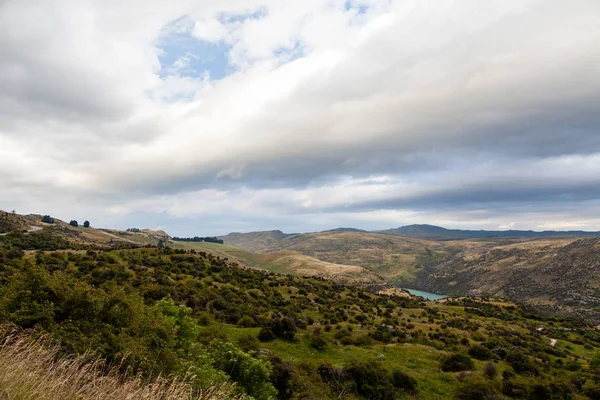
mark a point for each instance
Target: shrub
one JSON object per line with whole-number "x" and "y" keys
{"x": 404, "y": 382}
{"x": 595, "y": 361}
{"x": 47, "y": 219}
{"x": 456, "y": 363}
{"x": 252, "y": 374}
{"x": 73, "y": 223}
{"x": 480, "y": 352}
{"x": 86, "y": 224}
{"x": 476, "y": 387}
{"x": 246, "y": 322}
{"x": 370, "y": 378}
{"x": 317, "y": 341}
{"x": 248, "y": 343}
{"x": 490, "y": 370}
{"x": 283, "y": 377}
{"x": 266, "y": 335}
{"x": 521, "y": 363}
{"x": 281, "y": 327}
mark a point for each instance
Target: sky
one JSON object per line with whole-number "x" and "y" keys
{"x": 206, "y": 117}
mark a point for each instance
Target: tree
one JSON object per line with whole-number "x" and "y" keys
{"x": 490, "y": 370}
{"x": 73, "y": 223}
{"x": 86, "y": 224}
{"x": 47, "y": 219}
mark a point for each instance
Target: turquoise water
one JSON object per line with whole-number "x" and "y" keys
{"x": 427, "y": 295}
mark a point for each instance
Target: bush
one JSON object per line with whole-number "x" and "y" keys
{"x": 480, "y": 352}
{"x": 246, "y": 322}
{"x": 404, "y": 382}
{"x": 477, "y": 388}
{"x": 248, "y": 343}
{"x": 73, "y": 223}
{"x": 490, "y": 370}
{"x": 317, "y": 341}
{"x": 280, "y": 327}
{"x": 86, "y": 224}
{"x": 456, "y": 363}
{"x": 47, "y": 219}
{"x": 521, "y": 363}
{"x": 283, "y": 377}
{"x": 250, "y": 373}
{"x": 595, "y": 361}
{"x": 371, "y": 379}
{"x": 266, "y": 335}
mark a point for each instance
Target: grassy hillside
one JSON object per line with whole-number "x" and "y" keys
{"x": 395, "y": 258}
{"x": 194, "y": 316}
{"x": 288, "y": 262}
{"x": 558, "y": 274}
{"x": 255, "y": 242}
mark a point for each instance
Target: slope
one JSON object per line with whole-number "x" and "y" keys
{"x": 288, "y": 262}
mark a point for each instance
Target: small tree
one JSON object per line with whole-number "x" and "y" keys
{"x": 73, "y": 223}
{"x": 490, "y": 370}
{"x": 47, "y": 219}
{"x": 86, "y": 224}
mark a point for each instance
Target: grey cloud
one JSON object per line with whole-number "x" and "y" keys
{"x": 428, "y": 96}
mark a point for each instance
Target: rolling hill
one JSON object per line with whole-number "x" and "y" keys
{"x": 190, "y": 319}
{"x": 558, "y": 273}
{"x": 290, "y": 262}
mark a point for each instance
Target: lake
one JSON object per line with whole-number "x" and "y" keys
{"x": 426, "y": 295}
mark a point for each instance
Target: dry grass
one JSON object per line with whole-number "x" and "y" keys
{"x": 31, "y": 369}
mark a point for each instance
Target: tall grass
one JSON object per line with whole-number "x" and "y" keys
{"x": 34, "y": 369}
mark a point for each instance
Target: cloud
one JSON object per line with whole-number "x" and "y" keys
{"x": 301, "y": 113}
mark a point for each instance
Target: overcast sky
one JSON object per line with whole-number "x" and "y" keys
{"x": 206, "y": 117}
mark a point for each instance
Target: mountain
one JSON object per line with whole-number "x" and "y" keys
{"x": 439, "y": 233}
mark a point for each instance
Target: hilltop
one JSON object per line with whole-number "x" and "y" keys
{"x": 438, "y": 233}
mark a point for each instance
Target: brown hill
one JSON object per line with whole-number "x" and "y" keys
{"x": 556, "y": 273}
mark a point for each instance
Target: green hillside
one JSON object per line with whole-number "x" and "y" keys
{"x": 193, "y": 315}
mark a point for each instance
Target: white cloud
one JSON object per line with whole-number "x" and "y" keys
{"x": 439, "y": 99}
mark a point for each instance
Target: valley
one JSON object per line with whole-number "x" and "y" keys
{"x": 559, "y": 274}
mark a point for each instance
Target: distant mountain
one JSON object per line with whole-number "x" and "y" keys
{"x": 433, "y": 232}
{"x": 345, "y": 230}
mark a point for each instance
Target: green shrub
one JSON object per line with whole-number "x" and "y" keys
{"x": 246, "y": 322}
{"x": 266, "y": 335}
{"x": 252, "y": 374}
{"x": 476, "y": 387}
{"x": 248, "y": 343}
{"x": 404, "y": 382}
{"x": 456, "y": 363}
{"x": 371, "y": 379}
{"x": 521, "y": 363}
{"x": 480, "y": 352}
